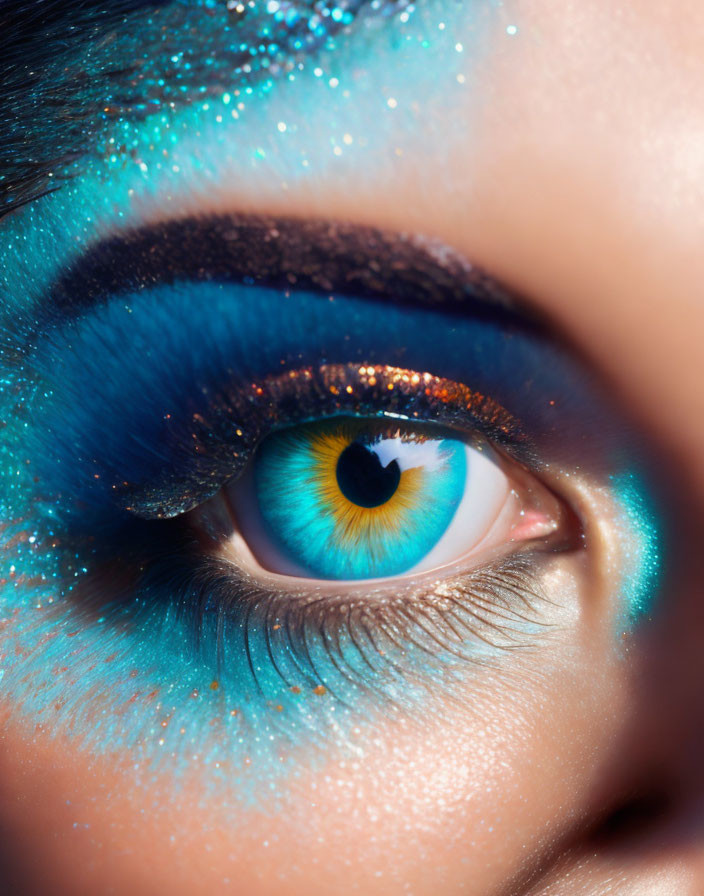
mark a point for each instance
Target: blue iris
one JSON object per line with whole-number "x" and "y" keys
{"x": 343, "y": 500}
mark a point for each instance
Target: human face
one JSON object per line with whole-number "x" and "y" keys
{"x": 192, "y": 701}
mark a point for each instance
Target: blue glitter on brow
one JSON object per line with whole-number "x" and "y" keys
{"x": 86, "y": 69}
{"x": 360, "y": 102}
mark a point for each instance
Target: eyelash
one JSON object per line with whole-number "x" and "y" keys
{"x": 307, "y": 394}
{"x": 229, "y": 615}
{"x": 490, "y": 606}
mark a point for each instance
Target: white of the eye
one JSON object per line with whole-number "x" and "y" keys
{"x": 485, "y": 493}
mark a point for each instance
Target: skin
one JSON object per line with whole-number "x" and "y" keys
{"x": 585, "y": 194}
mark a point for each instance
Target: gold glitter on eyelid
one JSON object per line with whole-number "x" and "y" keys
{"x": 327, "y": 390}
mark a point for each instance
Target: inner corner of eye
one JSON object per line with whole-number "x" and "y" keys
{"x": 350, "y": 499}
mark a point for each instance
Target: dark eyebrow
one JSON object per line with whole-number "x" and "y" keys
{"x": 287, "y": 253}
{"x": 69, "y": 69}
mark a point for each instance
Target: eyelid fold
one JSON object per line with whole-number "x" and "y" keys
{"x": 123, "y": 306}
{"x": 187, "y": 434}
{"x": 339, "y": 261}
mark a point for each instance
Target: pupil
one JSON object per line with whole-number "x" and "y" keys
{"x": 363, "y": 480}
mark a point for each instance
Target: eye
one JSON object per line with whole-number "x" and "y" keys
{"x": 336, "y": 477}
{"x": 356, "y": 499}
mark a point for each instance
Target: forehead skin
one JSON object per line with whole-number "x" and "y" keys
{"x": 586, "y": 193}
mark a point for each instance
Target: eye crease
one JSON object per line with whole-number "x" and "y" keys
{"x": 302, "y": 270}
{"x": 326, "y": 256}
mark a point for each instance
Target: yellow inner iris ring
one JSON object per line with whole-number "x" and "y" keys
{"x": 355, "y": 525}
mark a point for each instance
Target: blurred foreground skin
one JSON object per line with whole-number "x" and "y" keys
{"x": 587, "y": 196}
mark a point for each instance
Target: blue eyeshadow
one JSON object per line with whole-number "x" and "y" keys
{"x": 140, "y": 367}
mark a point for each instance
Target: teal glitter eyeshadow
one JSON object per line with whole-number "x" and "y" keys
{"x": 127, "y": 61}
{"x": 643, "y": 565}
{"x": 358, "y": 99}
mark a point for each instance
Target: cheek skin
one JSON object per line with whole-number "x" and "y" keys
{"x": 488, "y": 783}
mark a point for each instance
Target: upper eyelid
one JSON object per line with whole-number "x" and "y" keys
{"x": 164, "y": 263}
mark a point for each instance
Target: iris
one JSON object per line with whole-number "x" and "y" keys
{"x": 358, "y": 499}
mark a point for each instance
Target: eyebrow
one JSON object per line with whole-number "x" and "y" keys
{"x": 71, "y": 68}
{"x": 327, "y": 257}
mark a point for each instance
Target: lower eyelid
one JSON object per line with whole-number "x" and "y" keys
{"x": 496, "y": 606}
